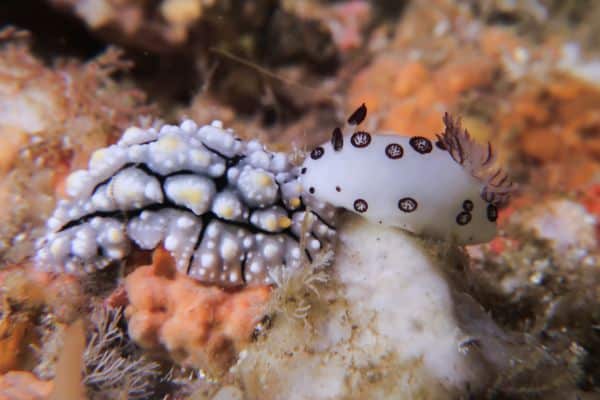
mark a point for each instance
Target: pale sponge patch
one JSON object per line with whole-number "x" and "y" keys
{"x": 382, "y": 327}
{"x": 393, "y": 281}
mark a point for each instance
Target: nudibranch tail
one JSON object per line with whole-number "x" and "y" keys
{"x": 478, "y": 159}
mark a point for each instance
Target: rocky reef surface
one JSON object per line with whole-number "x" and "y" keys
{"x": 383, "y": 315}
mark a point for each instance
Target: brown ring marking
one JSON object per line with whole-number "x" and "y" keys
{"x": 317, "y": 153}
{"x": 407, "y": 204}
{"x": 394, "y": 151}
{"x": 463, "y": 218}
{"x": 361, "y": 205}
{"x": 421, "y": 144}
{"x": 360, "y": 139}
{"x": 467, "y": 205}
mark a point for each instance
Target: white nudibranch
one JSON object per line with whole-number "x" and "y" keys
{"x": 450, "y": 189}
{"x": 229, "y": 211}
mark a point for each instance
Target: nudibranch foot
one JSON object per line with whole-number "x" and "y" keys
{"x": 229, "y": 211}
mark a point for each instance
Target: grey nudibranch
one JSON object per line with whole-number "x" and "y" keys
{"x": 229, "y": 211}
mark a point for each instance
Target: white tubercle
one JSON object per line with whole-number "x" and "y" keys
{"x": 227, "y": 205}
{"x": 79, "y": 183}
{"x": 133, "y": 188}
{"x": 193, "y": 192}
{"x": 135, "y": 135}
{"x": 257, "y": 186}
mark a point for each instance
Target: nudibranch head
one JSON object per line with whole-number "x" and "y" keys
{"x": 448, "y": 189}
{"x": 229, "y": 211}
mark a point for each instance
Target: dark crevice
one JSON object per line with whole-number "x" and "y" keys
{"x": 205, "y": 222}
{"x": 55, "y": 33}
{"x": 126, "y": 215}
{"x": 310, "y": 259}
{"x": 243, "y": 268}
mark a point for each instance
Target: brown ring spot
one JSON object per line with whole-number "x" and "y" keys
{"x": 467, "y": 205}
{"x": 317, "y": 153}
{"x": 360, "y": 205}
{"x": 360, "y": 139}
{"x": 394, "y": 151}
{"x": 421, "y": 144}
{"x": 492, "y": 213}
{"x": 463, "y": 218}
{"x": 407, "y": 204}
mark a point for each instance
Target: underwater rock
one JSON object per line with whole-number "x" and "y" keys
{"x": 565, "y": 223}
{"x": 167, "y": 26}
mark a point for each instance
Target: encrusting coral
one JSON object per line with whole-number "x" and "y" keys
{"x": 198, "y": 326}
{"x": 13, "y": 328}
{"x": 26, "y": 298}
